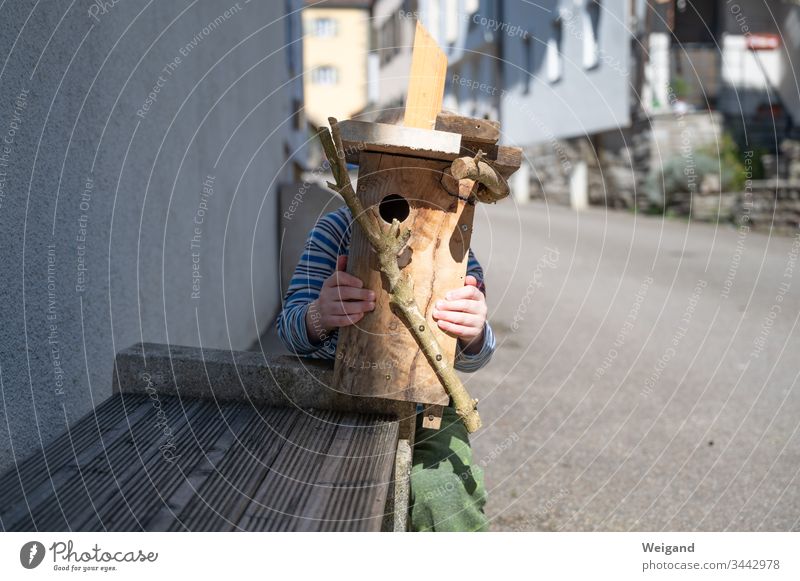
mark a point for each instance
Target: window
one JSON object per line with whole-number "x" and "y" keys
{"x": 390, "y": 38}
{"x": 324, "y": 27}
{"x": 554, "y": 56}
{"x": 527, "y": 48}
{"x": 591, "y": 27}
{"x": 325, "y": 75}
{"x": 699, "y": 22}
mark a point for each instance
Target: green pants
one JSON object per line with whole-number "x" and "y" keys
{"x": 447, "y": 490}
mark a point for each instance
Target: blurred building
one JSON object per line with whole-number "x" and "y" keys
{"x": 599, "y": 93}
{"x": 731, "y": 57}
{"x": 392, "y": 39}
{"x": 533, "y": 66}
{"x": 566, "y": 78}
{"x": 335, "y": 50}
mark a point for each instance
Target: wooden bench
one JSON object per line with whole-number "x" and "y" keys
{"x": 215, "y": 441}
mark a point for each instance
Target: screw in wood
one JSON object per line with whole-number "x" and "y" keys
{"x": 464, "y": 227}
{"x": 438, "y": 357}
{"x": 421, "y": 328}
{"x": 388, "y": 377}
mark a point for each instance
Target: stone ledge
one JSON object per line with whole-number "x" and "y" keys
{"x": 262, "y": 379}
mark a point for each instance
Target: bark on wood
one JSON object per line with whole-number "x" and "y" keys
{"x": 470, "y": 129}
{"x": 388, "y": 244}
{"x": 358, "y": 136}
{"x": 379, "y": 357}
{"x": 475, "y": 169}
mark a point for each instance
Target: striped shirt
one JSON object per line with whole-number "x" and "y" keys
{"x": 329, "y": 239}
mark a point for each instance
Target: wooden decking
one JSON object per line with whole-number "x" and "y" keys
{"x": 169, "y": 463}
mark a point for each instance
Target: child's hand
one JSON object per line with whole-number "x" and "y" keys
{"x": 463, "y": 314}
{"x": 342, "y": 301}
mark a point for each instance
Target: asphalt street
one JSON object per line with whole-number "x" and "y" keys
{"x": 646, "y": 376}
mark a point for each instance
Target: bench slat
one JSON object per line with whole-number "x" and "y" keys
{"x": 236, "y": 467}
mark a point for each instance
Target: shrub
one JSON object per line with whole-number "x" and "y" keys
{"x": 684, "y": 174}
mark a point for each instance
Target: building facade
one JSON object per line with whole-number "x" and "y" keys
{"x": 335, "y": 51}
{"x": 138, "y": 190}
{"x": 600, "y": 94}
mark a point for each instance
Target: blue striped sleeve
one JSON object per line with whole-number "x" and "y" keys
{"x": 465, "y": 361}
{"x": 326, "y": 241}
{"x": 329, "y": 239}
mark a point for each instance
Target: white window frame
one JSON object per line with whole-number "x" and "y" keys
{"x": 325, "y": 75}
{"x": 591, "y": 34}
{"x": 325, "y": 27}
{"x": 553, "y": 57}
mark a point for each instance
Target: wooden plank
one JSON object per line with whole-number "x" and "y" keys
{"x": 224, "y": 497}
{"x": 160, "y": 516}
{"x": 352, "y": 485}
{"x": 259, "y": 378}
{"x": 358, "y": 136}
{"x": 470, "y": 128}
{"x": 426, "y": 81}
{"x": 44, "y": 469}
{"x": 506, "y": 160}
{"x": 44, "y": 506}
{"x": 135, "y": 472}
{"x": 281, "y": 466}
{"x": 432, "y": 417}
{"x": 402, "y": 485}
{"x": 299, "y": 485}
{"x": 361, "y": 485}
{"x": 325, "y": 477}
{"x": 301, "y": 456}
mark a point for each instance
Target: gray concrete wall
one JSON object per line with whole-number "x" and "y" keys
{"x": 113, "y": 122}
{"x": 584, "y": 100}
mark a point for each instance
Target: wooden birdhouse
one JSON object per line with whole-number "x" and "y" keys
{"x": 407, "y": 173}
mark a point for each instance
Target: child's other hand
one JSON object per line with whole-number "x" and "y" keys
{"x": 463, "y": 313}
{"x": 342, "y": 301}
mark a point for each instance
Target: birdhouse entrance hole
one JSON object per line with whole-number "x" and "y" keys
{"x": 393, "y": 206}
